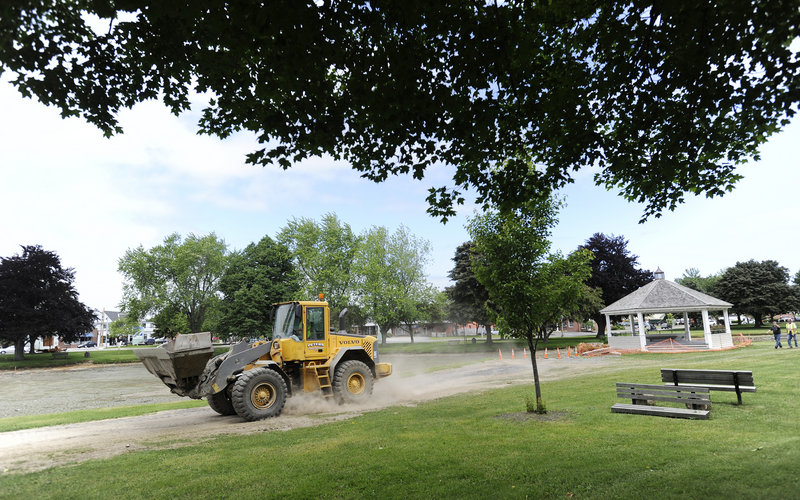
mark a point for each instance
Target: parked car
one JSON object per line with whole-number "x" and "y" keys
{"x": 7, "y": 350}
{"x": 150, "y": 342}
{"x": 83, "y": 345}
{"x": 161, "y": 341}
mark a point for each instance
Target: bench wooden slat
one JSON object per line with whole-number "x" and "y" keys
{"x": 702, "y": 377}
{"x": 728, "y": 388}
{"x": 660, "y": 411}
{"x": 737, "y": 381}
{"x": 681, "y": 394}
{"x": 696, "y": 399}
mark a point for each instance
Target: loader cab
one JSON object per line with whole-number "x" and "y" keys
{"x": 306, "y": 323}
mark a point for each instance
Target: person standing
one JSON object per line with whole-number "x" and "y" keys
{"x": 776, "y": 331}
{"x": 791, "y": 329}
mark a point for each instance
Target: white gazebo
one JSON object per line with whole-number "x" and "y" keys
{"x": 663, "y": 296}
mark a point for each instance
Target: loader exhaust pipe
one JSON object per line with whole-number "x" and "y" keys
{"x": 342, "y": 326}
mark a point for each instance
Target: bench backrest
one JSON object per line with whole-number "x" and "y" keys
{"x": 713, "y": 377}
{"x": 673, "y": 394}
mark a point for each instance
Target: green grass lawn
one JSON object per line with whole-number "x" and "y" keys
{"x": 32, "y": 421}
{"x": 483, "y": 445}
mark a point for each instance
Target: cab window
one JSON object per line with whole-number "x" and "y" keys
{"x": 315, "y": 323}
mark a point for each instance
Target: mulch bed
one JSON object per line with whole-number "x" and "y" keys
{"x": 523, "y": 416}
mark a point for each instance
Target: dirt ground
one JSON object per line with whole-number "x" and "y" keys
{"x": 56, "y": 390}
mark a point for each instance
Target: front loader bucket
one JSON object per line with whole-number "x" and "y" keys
{"x": 180, "y": 362}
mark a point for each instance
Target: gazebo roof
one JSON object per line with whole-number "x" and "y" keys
{"x": 664, "y": 296}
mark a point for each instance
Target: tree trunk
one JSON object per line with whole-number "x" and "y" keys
{"x": 19, "y": 349}
{"x": 488, "y": 333}
{"x": 384, "y": 333}
{"x": 600, "y": 319}
{"x": 532, "y": 347}
{"x": 411, "y": 332}
{"x": 32, "y": 340}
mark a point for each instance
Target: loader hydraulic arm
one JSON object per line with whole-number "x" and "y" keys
{"x": 220, "y": 371}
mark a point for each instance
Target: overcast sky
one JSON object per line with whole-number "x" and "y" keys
{"x": 66, "y": 187}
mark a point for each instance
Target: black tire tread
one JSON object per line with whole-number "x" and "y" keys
{"x": 220, "y": 403}
{"x": 343, "y": 371}
{"x": 240, "y": 395}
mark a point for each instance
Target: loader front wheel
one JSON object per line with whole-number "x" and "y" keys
{"x": 352, "y": 382}
{"x": 221, "y": 403}
{"x": 259, "y": 393}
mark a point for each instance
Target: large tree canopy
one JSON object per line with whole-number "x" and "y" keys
{"x": 615, "y": 272}
{"x": 758, "y": 289}
{"x": 663, "y": 98}
{"x": 392, "y": 288}
{"x": 254, "y": 279}
{"x": 177, "y": 281}
{"x": 38, "y": 299}
{"x": 323, "y": 254}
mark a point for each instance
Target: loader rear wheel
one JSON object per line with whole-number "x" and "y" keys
{"x": 259, "y": 393}
{"x": 352, "y": 382}
{"x": 221, "y": 403}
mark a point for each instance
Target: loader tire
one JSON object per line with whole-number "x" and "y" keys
{"x": 221, "y": 403}
{"x": 352, "y": 382}
{"x": 259, "y": 393}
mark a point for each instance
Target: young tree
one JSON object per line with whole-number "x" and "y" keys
{"x": 435, "y": 306}
{"x": 614, "y": 272}
{"x": 176, "y": 282}
{"x": 664, "y": 98}
{"x": 693, "y": 279}
{"x": 530, "y": 288}
{"x": 323, "y": 253}
{"x": 38, "y": 299}
{"x": 758, "y": 289}
{"x": 469, "y": 297}
{"x": 124, "y": 327}
{"x": 257, "y": 277}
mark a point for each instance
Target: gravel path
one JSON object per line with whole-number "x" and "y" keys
{"x": 56, "y": 390}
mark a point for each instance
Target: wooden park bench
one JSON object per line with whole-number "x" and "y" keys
{"x": 697, "y": 400}
{"x": 59, "y": 354}
{"x": 716, "y": 380}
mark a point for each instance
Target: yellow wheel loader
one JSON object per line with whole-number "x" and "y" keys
{"x": 253, "y": 380}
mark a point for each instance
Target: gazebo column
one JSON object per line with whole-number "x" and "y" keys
{"x": 706, "y": 328}
{"x": 686, "y": 326}
{"x": 642, "y": 335}
{"x": 630, "y": 322}
{"x": 608, "y": 326}
{"x": 727, "y": 321}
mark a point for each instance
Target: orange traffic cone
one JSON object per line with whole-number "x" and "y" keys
{"x": 512, "y": 354}
{"x": 524, "y": 353}
{"x": 569, "y": 353}
{"x": 501, "y": 353}
{"x": 545, "y": 353}
{"x": 558, "y": 352}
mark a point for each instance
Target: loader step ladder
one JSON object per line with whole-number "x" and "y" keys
{"x": 324, "y": 378}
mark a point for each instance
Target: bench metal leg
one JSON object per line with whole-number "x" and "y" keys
{"x": 736, "y": 383}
